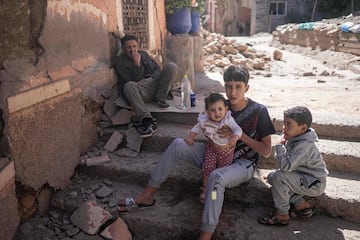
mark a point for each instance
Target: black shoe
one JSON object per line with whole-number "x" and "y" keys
{"x": 163, "y": 104}
{"x": 170, "y": 96}
{"x": 147, "y": 129}
{"x": 137, "y": 121}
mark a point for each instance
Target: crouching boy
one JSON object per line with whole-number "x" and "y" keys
{"x": 302, "y": 169}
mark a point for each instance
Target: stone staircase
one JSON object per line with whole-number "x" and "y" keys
{"x": 177, "y": 212}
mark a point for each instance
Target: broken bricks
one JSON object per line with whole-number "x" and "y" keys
{"x": 93, "y": 161}
{"x": 89, "y": 217}
{"x": 114, "y": 141}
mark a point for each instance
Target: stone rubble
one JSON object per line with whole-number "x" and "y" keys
{"x": 220, "y": 52}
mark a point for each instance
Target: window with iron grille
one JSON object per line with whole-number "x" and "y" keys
{"x": 135, "y": 20}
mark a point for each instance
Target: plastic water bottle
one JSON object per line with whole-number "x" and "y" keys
{"x": 185, "y": 92}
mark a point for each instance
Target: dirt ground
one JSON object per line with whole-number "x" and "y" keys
{"x": 320, "y": 80}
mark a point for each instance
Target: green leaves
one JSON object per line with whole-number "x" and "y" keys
{"x": 172, "y": 6}
{"x": 200, "y": 6}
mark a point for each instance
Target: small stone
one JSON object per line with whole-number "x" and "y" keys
{"x": 125, "y": 152}
{"x": 113, "y": 202}
{"x": 133, "y": 139}
{"x": 107, "y": 182}
{"x": 103, "y": 192}
{"x": 308, "y": 74}
{"x": 114, "y": 141}
{"x": 277, "y": 55}
{"x": 325, "y": 73}
{"x": 73, "y": 194}
{"x": 72, "y": 231}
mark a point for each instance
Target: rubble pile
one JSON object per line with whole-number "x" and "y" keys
{"x": 86, "y": 211}
{"x": 220, "y": 52}
{"x": 344, "y": 24}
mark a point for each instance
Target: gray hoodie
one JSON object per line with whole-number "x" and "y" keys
{"x": 300, "y": 154}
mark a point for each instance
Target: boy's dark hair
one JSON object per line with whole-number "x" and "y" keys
{"x": 301, "y": 115}
{"x": 237, "y": 74}
{"x": 213, "y": 98}
{"x": 127, "y": 38}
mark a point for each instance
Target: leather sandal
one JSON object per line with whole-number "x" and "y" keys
{"x": 300, "y": 214}
{"x": 272, "y": 220}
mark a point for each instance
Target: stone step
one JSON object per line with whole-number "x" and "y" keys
{"x": 177, "y": 215}
{"x": 343, "y": 156}
{"x": 341, "y": 199}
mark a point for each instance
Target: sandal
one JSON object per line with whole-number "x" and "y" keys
{"x": 272, "y": 220}
{"x": 130, "y": 205}
{"x": 300, "y": 214}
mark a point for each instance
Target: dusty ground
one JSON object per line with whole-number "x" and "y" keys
{"x": 319, "y": 80}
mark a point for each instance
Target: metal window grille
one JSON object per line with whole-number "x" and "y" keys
{"x": 135, "y": 20}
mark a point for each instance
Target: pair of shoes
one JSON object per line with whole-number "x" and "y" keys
{"x": 272, "y": 220}
{"x": 148, "y": 128}
{"x": 300, "y": 214}
{"x": 130, "y": 205}
{"x": 163, "y": 104}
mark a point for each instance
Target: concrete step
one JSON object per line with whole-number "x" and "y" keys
{"x": 341, "y": 199}
{"x": 177, "y": 215}
{"x": 328, "y": 124}
{"x": 326, "y": 128}
{"x": 343, "y": 156}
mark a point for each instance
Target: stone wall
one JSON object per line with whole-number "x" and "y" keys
{"x": 324, "y": 39}
{"x": 55, "y": 72}
{"x": 9, "y": 215}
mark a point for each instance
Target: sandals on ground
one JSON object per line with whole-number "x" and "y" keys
{"x": 272, "y": 220}
{"x": 130, "y": 205}
{"x": 300, "y": 214}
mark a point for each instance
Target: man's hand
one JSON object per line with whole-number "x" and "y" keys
{"x": 225, "y": 131}
{"x": 136, "y": 57}
{"x": 233, "y": 140}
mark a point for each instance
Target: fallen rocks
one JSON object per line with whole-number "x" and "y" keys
{"x": 93, "y": 161}
{"x": 219, "y": 52}
{"x": 114, "y": 141}
{"x": 89, "y": 217}
{"x": 277, "y": 55}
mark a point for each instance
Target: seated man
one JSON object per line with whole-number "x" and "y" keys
{"x": 141, "y": 80}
